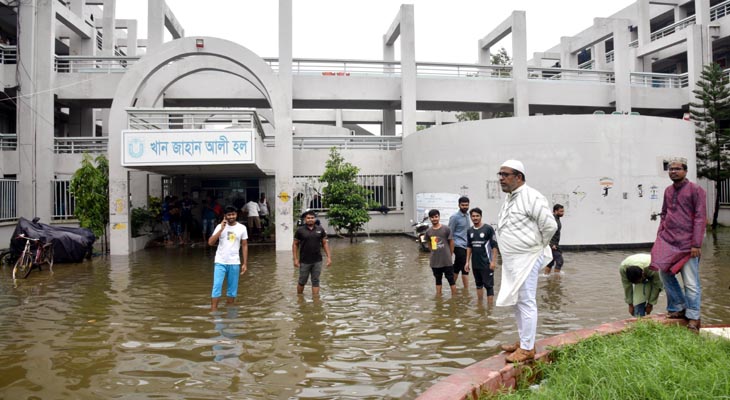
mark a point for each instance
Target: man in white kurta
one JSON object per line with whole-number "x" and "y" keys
{"x": 524, "y": 229}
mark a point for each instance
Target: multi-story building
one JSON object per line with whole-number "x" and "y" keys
{"x": 593, "y": 118}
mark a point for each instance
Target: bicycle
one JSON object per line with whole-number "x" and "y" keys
{"x": 28, "y": 260}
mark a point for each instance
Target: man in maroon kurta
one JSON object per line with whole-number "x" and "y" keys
{"x": 678, "y": 243}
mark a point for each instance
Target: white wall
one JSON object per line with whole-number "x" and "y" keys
{"x": 566, "y": 157}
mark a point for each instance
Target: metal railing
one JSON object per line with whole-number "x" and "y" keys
{"x": 587, "y": 65}
{"x": 192, "y": 118}
{"x": 342, "y": 142}
{"x": 656, "y": 80}
{"x": 339, "y": 68}
{"x": 64, "y": 204}
{"x": 8, "y": 141}
{"x": 725, "y": 192}
{"x": 79, "y": 145}
{"x": 447, "y": 70}
{"x": 668, "y": 30}
{"x": 571, "y": 75}
{"x": 8, "y": 54}
{"x": 8, "y": 200}
{"x": 720, "y": 10}
{"x": 634, "y": 43}
{"x": 309, "y": 191}
{"x": 610, "y": 56}
{"x": 93, "y": 64}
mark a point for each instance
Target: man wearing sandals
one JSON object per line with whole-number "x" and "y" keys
{"x": 677, "y": 246}
{"x": 524, "y": 229}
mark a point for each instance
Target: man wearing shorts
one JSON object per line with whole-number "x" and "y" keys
{"x": 441, "y": 243}
{"x": 459, "y": 224}
{"x": 308, "y": 242}
{"x": 481, "y": 252}
{"x": 227, "y": 260}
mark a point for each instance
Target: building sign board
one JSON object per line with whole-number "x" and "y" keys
{"x": 446, "y": 203}
{"x": 187, "y": 147}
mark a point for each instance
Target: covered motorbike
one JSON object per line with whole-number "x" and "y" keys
{"x": 70, "y": 245}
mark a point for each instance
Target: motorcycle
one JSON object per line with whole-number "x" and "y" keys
{"x": 420, "y": 229}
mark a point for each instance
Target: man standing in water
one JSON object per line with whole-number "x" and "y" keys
{"x": 524, "y": 229}
{"x": 678, "y": 243}
{"x": 558, "y": 212}
{"x": 441, "y": 243}
{"x": 227, "y": 260}
{"x": 310, "y": 238}
{"x": 481, "y": 252}
{"x": 459, "y": 224}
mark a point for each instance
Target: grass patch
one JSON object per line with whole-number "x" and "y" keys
{"x": 648, "y": 361}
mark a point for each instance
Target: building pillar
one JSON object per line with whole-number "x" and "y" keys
{"x": 132, "y": 38}
{"x": 338, "y": 117}
{"x": 599, "y": 56}
{"x": 567, "y": 58}
{"x": 702, "y": 15}
{"x": 519, "y": 64}
{"x": 35, "y": 108}
{"x": 283, "y": 137}
{"x": 679, "y": 13}
{"x": 388, "y": 124}
{"x": 644, "y": 22}
{"x": 694, "y": 57}
{"x": 155, "y": 24}
{"x": 408, "y": 69}
{"x": 79, "y": 46}
{"x": 621, "y": 68}
{"x": 109, "y": 28}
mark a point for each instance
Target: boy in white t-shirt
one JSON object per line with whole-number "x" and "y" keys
{"x": 227, "y": 259}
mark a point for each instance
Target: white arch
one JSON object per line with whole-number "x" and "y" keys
{"x": 128, "y": 91}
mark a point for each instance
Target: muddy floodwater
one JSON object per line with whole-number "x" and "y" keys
{"x": 140, "y": 326}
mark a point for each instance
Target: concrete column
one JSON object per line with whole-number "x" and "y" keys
{"x": 702, "y": 12}
{"x": 283, "y": 138}
{"x": 81, "y": 121}
{"x": 439, "y": 118}
{"x": 679, "y": 13}
{"x": 537, "y": 59}
{"x": 519, "y": 64}
{"x": 35, "y": 133}
{"x": 485, "y": 56}
{"x": 132, "y": 38}
{"x": 109, "y": 27}
{"x": 79, "y": 46}
{"x": 388, "y": 125}
{"x": 644, "y": 23}
{"x": 567, "y": 59}
{"x": 155, "y": 24}
{"x": 599, "y": 56}
{"x": 621, "y": 68}
{"x": 702, "y": 15}
{"x": 408, "y": 69}
{"x": 338, "y": 118}
{"x": 694, "y": 57}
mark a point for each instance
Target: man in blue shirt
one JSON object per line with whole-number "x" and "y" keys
{"x": 459, "y": 224}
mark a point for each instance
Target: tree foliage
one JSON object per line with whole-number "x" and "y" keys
{"x": 90, "y": 188}
{"x": 346, "y": 200}
{"x": 711, "y": 114}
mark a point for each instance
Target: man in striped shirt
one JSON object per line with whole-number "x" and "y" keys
{"x": 524, "y": 229}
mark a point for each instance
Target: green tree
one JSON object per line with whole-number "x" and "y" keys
{"x": 90, "y": 188}
{"x": 712, "y": 138}
{"x": 346, "y": 200}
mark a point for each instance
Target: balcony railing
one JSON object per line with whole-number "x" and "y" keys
{"x": 64, "y": 204}
{"x": 720, "y": 10}
{"x": 92, "y": 64}
{"x": 339, "y": 68}
{"x": 193, "y": 118}
{"x": 8, "y": 141}
{"x": 725, "y": 192}
{"x": 668, "y": 30}
{"x": 587, "y": 65}
{"x": 8, "y": 54}
{"x": 610, "y": 56}
{"x": 8, "y": 200}
{"x": 655, "y": 80}
{"x": 571, "y": 75}
{"x": 446, "y": 70}
{"x": 79, "y": 145}
{"x": 342, "y": 142}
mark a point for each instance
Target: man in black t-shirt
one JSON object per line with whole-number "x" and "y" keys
{"x": 308, "y": 240}
{"x": 481, "y": 252}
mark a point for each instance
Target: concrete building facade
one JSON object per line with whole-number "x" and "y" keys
{"x": 595, "y": 117}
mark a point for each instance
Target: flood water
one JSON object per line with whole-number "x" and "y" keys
{"x": 140, "y": 326}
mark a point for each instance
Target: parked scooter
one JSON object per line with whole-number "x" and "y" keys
{"x": 420, "y": 228}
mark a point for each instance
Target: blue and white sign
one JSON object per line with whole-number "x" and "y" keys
{"x": 187, "y": 147}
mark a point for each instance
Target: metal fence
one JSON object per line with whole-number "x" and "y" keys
{"x": 386, "y": 191}
{"x": 8, "y": 200}
{"x": 79, "y": 145}
{"x": 8, "y": 54}
{"x": 725, "y": 192}
{"x": 8, "y": 141}
{"x": 656, "y": 80}
{"x": 64, "y": 204}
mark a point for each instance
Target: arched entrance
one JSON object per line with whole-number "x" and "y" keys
{"x": 150, "y": 74}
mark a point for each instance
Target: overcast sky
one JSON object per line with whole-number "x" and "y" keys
{"x": 347, "y": 29}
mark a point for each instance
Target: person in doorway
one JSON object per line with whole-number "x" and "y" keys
{"x": 175, "y": 224}
{"x": 558, "y": 212}
{"x": 524, "y": 229}
{"x": 677, "y": 248}
{"x": 264, "y": 211}
{"x": 641, "y": 284}
{"x": 210, "y": 216}
{"x": 186, "y": 216}
{"x": 165, "y": 211}
{"x": 481, "y": 255}
{"x": 309, "y": 239}
{"x": 459, "y": 224}
{"x": 441, "y": 242}
{"x": 251, "y": 209}
{"x": 228, "y": 262}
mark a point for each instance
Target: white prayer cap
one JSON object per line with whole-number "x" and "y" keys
{"x": 515, "y": 165}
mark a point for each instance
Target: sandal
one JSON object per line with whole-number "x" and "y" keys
{"x": 676, "y": 314}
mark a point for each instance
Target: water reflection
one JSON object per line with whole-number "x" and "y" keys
{"x": 140, "y": 326}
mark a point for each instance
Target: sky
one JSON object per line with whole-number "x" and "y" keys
{"x": 344, "y": 29}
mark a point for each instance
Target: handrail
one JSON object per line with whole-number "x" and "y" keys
{"x": 719, "y": 10}
{"x": 8, "y": 141}
{"x": 342, "y": 142}
{"x": 610, "y": 57}
{"x": 192, "y": 118}
{"x": 78, "y": 145}
{"x": 659, "y": 80}
{"x": 570, "y": 74}
{"x": 669, "y": 29}
{"x": 8, "y": 54}
{"x": 586, "y": 65}
{"x": 93, "y": 64}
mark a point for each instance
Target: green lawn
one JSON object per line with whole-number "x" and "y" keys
{"x": 649, "y": 361}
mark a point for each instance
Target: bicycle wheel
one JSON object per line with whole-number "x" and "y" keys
{"x": 23, "y": 266}
{"x": 6, "y": 257}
